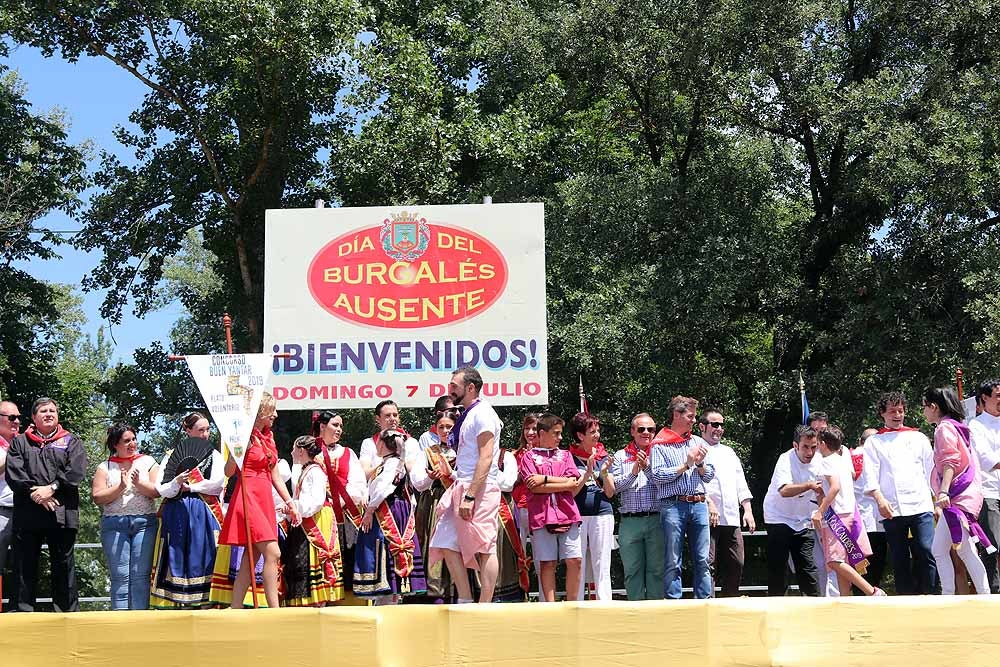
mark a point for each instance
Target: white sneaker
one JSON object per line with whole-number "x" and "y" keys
{"x": 879, "y": 593}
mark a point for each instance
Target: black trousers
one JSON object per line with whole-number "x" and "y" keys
{"x": 782, "y": 541}
{"x": 28, "y": 539}
{"x": 725, "y": 559}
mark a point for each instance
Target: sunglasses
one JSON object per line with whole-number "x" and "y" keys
{"x": 716, "y": 424}
{"x": 645, "y": 429}
{"x": 11, "y": 418}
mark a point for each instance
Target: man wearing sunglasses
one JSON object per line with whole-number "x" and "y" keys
{"x": 728, "y": 491}
{"x": 10, "y": 426}
{"x": 640, "y": 535}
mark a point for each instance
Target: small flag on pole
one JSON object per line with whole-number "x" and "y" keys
{"x": 805, "y": 401}
{"x": 583, "y": 399}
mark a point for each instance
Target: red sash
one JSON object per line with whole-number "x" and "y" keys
{"x": 510, "y": 527}
{"x": 436, "y": 459}
{"x": 400, "y": 545}
{"x": 886, "y": 429}
{"x": 214, "y": 506}
{"x": 329, "y": 555}
{"x": 338, "y": 488}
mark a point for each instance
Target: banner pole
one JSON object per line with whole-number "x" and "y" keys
{"x": 227, "y": 324}
{"x": 958, "y": 381}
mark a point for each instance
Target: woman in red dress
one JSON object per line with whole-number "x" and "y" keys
{"x": 260, "y": 475}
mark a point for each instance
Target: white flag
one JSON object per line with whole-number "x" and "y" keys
{"x": 232, "y": 386}
{"x": 969, "y": 406}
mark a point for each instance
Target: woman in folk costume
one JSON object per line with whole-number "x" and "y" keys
{"x": 259, "y": 475}
{"x": 348, "y": 490}
{"x": 310, "y": 557}
{"x": 440, "y": 458}
{"x": 527, "y": 441}
{"x": 385, "y": 563}
{"x": 512, "y": 578}
{"x": 958, "y": 494}
{"x": 190, "y": 519}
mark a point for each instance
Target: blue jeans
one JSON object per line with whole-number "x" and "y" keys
{"x": 919, "y": 575}
{"x": 679, "y": 518}
{"x": 128, "y": 543}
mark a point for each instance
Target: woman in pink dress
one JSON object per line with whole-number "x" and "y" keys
{"x": 958, "y": 495}
{"x": 260, "y": 474}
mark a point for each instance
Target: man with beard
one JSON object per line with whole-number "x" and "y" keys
{"x": 640, "y": 535}
{"x": 45, "y": 466}
{"x": 466, "y": 532}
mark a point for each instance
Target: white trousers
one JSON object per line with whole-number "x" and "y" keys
{"x": 941, "y": 548}
{"x": 597, "y": 536}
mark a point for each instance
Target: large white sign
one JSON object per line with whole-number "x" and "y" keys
{"x": 232, "y": 386}
{"x": 376, "y": 303}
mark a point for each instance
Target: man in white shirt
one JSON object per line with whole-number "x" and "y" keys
{"x": 728, "y": 491}
{"x": 10, "y": 425}
{"x": 788, "y": 506}
{"x": 897, "y": 471}
{"x": 986, "y": 444}
{"x": 466, "y": 532}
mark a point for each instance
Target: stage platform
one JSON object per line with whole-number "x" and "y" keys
{"x": 908, "y": 631}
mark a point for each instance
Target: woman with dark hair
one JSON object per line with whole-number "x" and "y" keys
{"x": 594, "y": 491}
{"x": 387, "y": 559}
{"x": 128, "y": 521}
{"x": 311, "y": 563}
{"x": 348, "y": 489}
{"x": 956, "y": 485}
{"x": 512, "y": 563}
{"x": 439, "y": 459}
{"x": 442, "y": 405}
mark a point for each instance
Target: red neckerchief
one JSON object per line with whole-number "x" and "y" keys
{"x": 401, "y": 430}
{"x": 632, "y": 451}
{"x": 578, "y": 452}
{"x": 266, "y": 439}
{"x": 885, "y": 429}
{"x": 668, "y": 437}
{"x": 124, "y": 459}
{"x": 4, "y": 445}
{"x": 858, "y": 461}
{"x": 32, "y": 434}
{"x": 434, "y": 429}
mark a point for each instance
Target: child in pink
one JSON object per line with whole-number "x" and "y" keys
{"x": 837, "y": 519}
{"x": 550, "y": 476}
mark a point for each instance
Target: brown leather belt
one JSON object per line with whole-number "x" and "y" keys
{"x": 700, "y": 498}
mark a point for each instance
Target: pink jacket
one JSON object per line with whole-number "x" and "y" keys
{"x": 549, "y": 508}
{"x": 950, "y": 450}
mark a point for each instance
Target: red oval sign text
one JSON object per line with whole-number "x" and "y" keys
{"x": 407, "y": 274}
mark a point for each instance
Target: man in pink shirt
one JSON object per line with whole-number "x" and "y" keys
{"x": 551, "y": 478}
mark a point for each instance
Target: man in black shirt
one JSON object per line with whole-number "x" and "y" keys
{"x": 45, "y": 466}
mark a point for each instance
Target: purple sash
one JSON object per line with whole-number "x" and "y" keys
{"x": 848, "y": 537}
{"x": 454, "y": 438}
{"x": 952, "y": 514}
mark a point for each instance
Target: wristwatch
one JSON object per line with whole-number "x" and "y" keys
{"x": 54, "y": 486}
{"x": 469, "y": 498}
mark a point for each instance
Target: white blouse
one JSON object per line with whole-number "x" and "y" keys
{"x": 129, "y": 503}
{"x": 310, "y": 491}
{"x": 212, "y": 486}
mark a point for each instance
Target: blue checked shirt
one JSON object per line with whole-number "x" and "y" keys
{"x": 664, "y": 462}
{"x": 635, "y": 492}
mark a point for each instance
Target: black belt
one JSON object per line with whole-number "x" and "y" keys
{"x": 638, "y": 514}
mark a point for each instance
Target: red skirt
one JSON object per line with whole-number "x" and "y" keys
{"x": 260, "y": 507}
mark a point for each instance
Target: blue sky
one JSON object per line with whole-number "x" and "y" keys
{"x": 96, "y": 96}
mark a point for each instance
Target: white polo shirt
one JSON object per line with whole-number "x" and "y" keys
{"x": 728, "y": 489}
{"x": 986, "y": 444}
{"x": 899, "y": 464}
{"x": 795, "y": 512}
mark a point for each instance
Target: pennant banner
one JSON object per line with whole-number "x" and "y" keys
{"x": 232, "y": 386}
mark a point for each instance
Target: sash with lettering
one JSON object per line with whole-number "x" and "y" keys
{"x": 328, "y": 554}
{"x": 400, "y": 543}
{"x": 848, "y": 537}
{"x": 514, "y": 536}
{"x": 436, "y": 459}
{"x": 337, "y": 480}
{"x": 953, "y": 514}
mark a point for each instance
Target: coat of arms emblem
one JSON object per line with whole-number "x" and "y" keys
{"x": 404, "y": 236}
